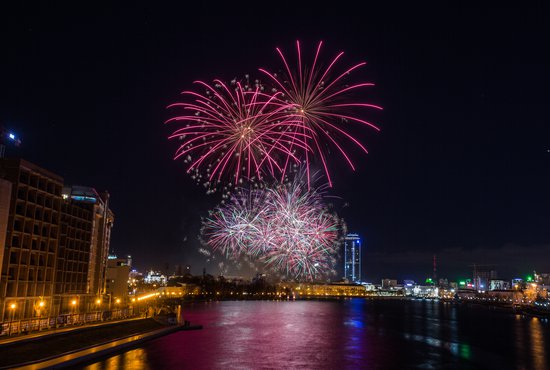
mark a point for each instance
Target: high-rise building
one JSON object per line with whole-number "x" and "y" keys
{"x": 352, "y": 258}
{"x": 74, "y": 248}
{"x": 99, "y": 221}
{"x": 32, "y": 238}
{"x": 47, "y": 245}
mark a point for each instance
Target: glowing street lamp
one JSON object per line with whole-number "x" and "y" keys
{"x": 13, "y": 306}
{"x": 39, "y": 307}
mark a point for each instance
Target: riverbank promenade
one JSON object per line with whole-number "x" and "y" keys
{"x": 71, "y": 346}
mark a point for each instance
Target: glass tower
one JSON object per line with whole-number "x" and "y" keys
{"x": 352, "y": 258}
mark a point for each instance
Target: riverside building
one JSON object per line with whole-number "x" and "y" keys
{"x": 118, "y": 273}
{"x": 48, "y": 250}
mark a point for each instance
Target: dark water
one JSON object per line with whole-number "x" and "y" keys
{"x": 349, "y": 334}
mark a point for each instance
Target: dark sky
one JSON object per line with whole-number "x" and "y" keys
{"x": 461, "y": 167}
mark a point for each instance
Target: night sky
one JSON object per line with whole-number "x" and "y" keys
{"x": 460, "y": 169}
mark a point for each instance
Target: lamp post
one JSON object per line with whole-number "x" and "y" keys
{"x": 73, "y": 305}
{"x": 98, "y": 308}
{"x": 39, "y": 307}
{"x": 13, "y": 306}
{"x": 117, "y": 307}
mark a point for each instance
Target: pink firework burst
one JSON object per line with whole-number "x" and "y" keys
{"x": 234, "y": 131}
{"x": 317, "y": 100}
{"x": 238, "y": 227}
{"x": 306, "y": 234}
{"x": 287, "y": 229}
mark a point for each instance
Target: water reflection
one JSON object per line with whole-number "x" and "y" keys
{"x": 135, "y": 359}
{"x": 538, "y": 353}
{"x": 344, "y": 334}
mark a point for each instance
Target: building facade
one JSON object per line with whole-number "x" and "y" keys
{"x": 352, "y": 258}
{"x": 314, "y": 289}
{"x": 5, "y": 198}
{"x": 118, "y": 274}
{"x": 32, "y": 239}
{"x": 99, "y": 220}
{"x": 46, "y": 244}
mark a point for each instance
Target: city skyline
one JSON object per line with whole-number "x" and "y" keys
{"x": 460, "y": 168}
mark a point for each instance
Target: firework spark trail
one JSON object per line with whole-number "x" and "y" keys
{"x": 286, "y": 228}
{"x": 314, "y": 100}
{"x": 234, "y": 133}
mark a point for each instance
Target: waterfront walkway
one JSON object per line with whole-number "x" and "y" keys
{"x": 61, "y": 330}
{"x": 93, "y": 352}
{"x": 72, "y": 343}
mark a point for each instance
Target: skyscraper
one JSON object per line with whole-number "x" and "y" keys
{"x": 352, "y": 258}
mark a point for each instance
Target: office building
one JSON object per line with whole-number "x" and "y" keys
{"x": 46, "y": 243}
{"x": 83, "y": 246}
{"x": 117, "y": 276}
{"x": 352, "y": 258}
{"x": 31, "y": 238}
{"x": 98, "y": 219}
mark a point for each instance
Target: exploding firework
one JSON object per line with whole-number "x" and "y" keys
{"x": 234, "y": 131}
{"x": 319, "y": 102}
{"x": 237, "y": 227}
{"x": 306, "y": 234}
{"x": 287, "y": 229}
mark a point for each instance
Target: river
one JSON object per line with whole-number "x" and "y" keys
{"x": 345, "y": 334}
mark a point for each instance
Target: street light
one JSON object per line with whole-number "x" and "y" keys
{"x": 13, "y": 306}
{"x": 39, "y": 306}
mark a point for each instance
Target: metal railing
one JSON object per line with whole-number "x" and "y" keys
{"x": 37, "y": 324}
